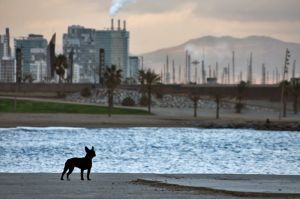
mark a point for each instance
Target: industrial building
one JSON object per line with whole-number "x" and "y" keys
{"x": 115, "y": 42}
{"x": 85, "y": 45}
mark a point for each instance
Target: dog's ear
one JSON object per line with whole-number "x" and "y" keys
{"x": 93, "y": 148}
{"x": 86, "y": 149}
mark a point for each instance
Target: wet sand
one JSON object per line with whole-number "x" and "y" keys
{"x": 8, "y": 120}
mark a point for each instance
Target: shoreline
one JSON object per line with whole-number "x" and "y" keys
{"x": 12, "y": 120}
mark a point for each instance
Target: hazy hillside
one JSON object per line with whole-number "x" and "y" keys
{"x": 219, "y": 49}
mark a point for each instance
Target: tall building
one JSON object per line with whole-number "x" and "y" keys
{"x": 34, "y": 56}
{"x": 7, "y": 70}
{"x": 115, "y": 42}
{"x": 1, "y": 47}
{"x": 134, "y": 67}
{"x": 86, "y": 44}
{"x": 51, "y": 58}
{"x": 80, "y": 41}
{"x": 7, "y": 63}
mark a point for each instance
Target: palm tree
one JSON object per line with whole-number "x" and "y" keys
{"x": 142, "y": 78}
{"x": 241, "y": 88}
{"x": 151, "y": 78}
{"x": 195, "y": 99}
{"x": 61, "y": 64}
{"x": 295, "y": 91}
{"x": 112, "y": 79}
{"x": 285, "y": 87}
{"x": 217, "y": 100}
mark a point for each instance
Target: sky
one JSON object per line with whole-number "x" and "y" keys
{"x": 156, "y": 24}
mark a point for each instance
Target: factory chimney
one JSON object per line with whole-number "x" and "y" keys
{"x": 119, "y": 24}
{"x": 112, "y": 24}
{"x": 124, "y": 25}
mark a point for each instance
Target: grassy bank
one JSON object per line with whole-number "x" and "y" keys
{"x": 26, "y": 106}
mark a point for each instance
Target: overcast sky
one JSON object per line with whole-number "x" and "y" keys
{"x": 155, "y": 24}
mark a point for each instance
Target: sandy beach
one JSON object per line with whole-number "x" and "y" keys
{"x": 149, "y": 186}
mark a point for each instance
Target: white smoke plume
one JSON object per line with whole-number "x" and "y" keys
{"x": 117, "y": 5}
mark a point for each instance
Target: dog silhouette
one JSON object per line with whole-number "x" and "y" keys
{"x": 81, "y": 163}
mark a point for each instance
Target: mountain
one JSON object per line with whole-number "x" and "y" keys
{"x": 212, "y": 49}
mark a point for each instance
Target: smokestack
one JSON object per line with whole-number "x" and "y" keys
{"x": 112, "y": 24}
{"x": 119, "y": 24}
{"x": 124, "y": 25}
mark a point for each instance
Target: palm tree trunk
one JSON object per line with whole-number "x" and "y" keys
{"x": 109, "y": 102}
{"x": 295, "y": 104}
{"x": 149, "y": 99}
{"x": 195, "y": 108}
{"x": 217, "y": 107}
{"x": 284, "y": 107}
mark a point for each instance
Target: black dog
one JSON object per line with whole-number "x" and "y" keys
{"x": 82, "y": 163}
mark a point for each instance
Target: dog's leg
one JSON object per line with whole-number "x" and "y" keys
{"x": 88, "y": 174}
{"x": 70, "y": 171}
{"x": 63, "y": 173}
{"x": 82, "y": 174}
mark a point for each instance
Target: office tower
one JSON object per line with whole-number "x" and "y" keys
{"x": 34, "y": 56}
{"x": 7, "y": 63}
{"x": 81, "y": 41}
{"x": 115, "y": 42}
{"x": 51, "y": 58}
{"x": 7, "y": 70}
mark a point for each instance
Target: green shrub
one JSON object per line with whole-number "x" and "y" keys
{"x": 238, "y": 107}
{"x": 86, "y": 92}
{"x": 128, "y": 101}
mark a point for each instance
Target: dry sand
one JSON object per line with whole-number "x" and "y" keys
{"x": 127, "y": 186}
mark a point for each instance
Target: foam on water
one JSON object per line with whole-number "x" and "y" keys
{"x": 152, "y": 150}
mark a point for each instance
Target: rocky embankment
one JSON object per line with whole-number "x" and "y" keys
{"x": 257, "y": 125}
{"x": 166, "y": 101}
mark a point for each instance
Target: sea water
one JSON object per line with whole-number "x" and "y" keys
{"x": 152, "y": 150}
